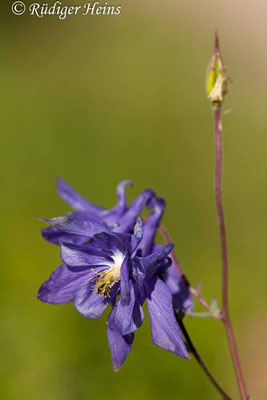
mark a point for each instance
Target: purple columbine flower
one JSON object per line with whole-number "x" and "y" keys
{"x": 118, "y": 265}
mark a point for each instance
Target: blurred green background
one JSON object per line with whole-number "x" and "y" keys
{"x": 99, "y": 99}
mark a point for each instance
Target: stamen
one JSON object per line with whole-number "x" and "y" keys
{"x": 106, "y": 279}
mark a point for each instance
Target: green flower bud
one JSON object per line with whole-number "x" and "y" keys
{"x": 217, "y": 82}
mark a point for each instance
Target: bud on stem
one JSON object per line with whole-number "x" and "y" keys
{"x": 217, "y": 81}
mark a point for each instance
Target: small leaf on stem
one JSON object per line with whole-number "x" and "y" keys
{"x": 214, "y": 307}
{"x": 205, "y": 315}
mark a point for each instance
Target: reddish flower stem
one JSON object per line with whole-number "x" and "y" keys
{"x": 224, "y": 315}
{"x": 225, "y": 308}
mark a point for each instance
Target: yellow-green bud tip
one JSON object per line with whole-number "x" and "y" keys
{"x": 217, "y": 81}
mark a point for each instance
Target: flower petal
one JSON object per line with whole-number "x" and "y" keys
{"x": 112, "y": 216}
{"x": 119, "y": 345}
{"x": 60, "y": 287}
{"x": 88, "y": 302}
{"x": 138, "y": 315}
{"x": 129, "y": 317}
{"x": 137, "y": 236}
{"x": 151, "y": 225}
{"x": 56, "y": 236}
{"x": 76, "y": 227}
{"x": 122, "y": 203}
{"x": 83, "y": 257}
{"x": 85, "y": 216}
{"x": 154, "y": 261}
{"x": 129, "y": 242}
{"x": 125, "y": 294}
{"x": 128, "y": 220}
{"x": 182, "y": 299}
{"x": 109, "y": 241}
{"x": 74, "y": 199}
{"x": 139, "y": 275}
{"x": 164, "y": 327}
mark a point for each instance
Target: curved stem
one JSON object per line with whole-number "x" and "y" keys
{"x": 225, "y": 308}
{"x": 200, "y": 361}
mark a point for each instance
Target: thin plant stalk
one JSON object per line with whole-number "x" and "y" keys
{"x": 225, "y": 306}
{"x": 216, "y": 90}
